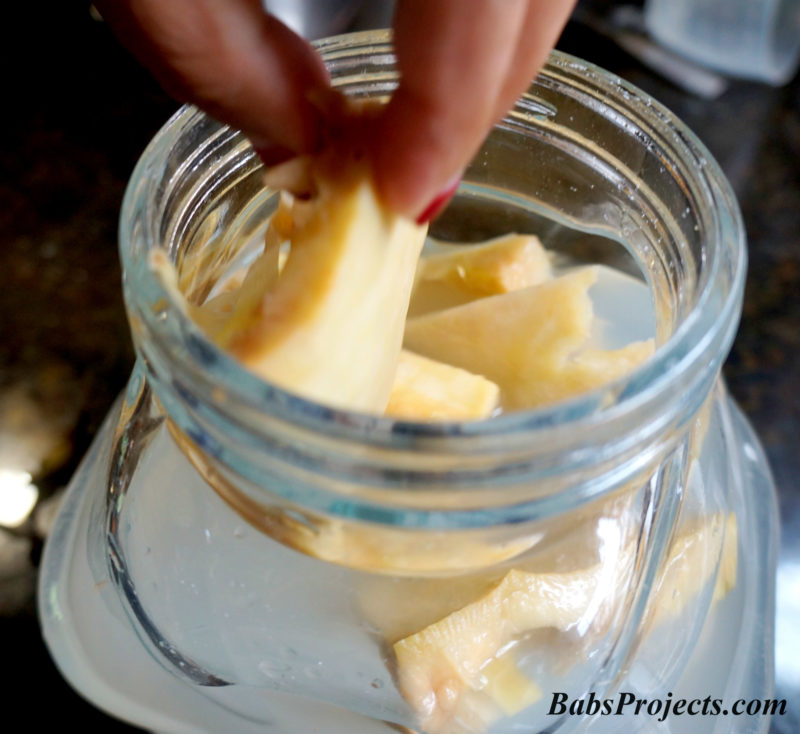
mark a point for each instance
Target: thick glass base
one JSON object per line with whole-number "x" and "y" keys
{"x": 97, "y": 649}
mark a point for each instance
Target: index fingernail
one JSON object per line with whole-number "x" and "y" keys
{"x": 440, "y": 201}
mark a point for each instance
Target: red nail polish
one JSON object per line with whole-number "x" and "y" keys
{"x": 439, "y": 201}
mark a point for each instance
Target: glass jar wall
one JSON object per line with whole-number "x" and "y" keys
{"x": 232, "y": 557}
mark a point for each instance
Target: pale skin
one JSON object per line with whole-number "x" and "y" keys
{"x": 462, "y": 64}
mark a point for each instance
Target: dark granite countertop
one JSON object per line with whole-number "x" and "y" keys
{"x": 78, "y": 112}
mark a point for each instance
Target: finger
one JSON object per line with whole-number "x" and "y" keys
{"x": 538, "y": 34}
{"x": 453, "y": 57}
{"x": 230, "y": 58}
{"x": 541, "y": 28}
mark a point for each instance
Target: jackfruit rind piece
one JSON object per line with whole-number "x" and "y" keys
{"x": 444, "y": 661}
{"x": 424, "y": 389}
{"x": 212, "y": 315}
{"x": 503, "y": 264}
{"x": 232, "y": 310}
{"x": 729, "y": 560}
{"x": 519, "y": 340}
{"x": 508, "y": 686}
{"x": 693, "y": 558}
{"x": 530, "y": 342}
{"x": 331, "y": 327}
{"x": 467, "y": 272}
{"x": 259, "y": 278}
{"x": 389, "y": 551}
{"x": 441, "y": 667}
{"x": 591, "y": 368}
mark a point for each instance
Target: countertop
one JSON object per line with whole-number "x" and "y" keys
{"x": 79, "y": 111}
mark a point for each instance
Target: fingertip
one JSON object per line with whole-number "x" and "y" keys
{"x": 439, "y": 202}
{"x": 415, "y": 160}
{"x": 413, "y": 181}
{"x": 451, "y": 67}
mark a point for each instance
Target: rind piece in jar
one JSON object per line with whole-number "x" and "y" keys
{"x": 330, "y": 327}
{"x": 528, "y": 341}
{"x": 693, "y": 557}
{"x": 462, "y": 666}
{"x": 425, "y": 389}
{"x": 454, "y": 657}
{"x": 467, "y": 272}
{"x": 232, "y": 310}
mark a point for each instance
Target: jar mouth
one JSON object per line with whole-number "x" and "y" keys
{"x": 687, "y": 359}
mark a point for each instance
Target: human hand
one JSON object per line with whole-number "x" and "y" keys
{"x": 462, "y": 65}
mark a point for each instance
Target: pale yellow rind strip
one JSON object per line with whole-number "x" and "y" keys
{"x": 424, "y": 389}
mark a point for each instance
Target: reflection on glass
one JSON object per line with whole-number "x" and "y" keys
{"x": 787, "y": 663}
{"x": 18, "y": 495}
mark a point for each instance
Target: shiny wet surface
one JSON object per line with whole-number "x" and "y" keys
{"x": 76, "y": 119}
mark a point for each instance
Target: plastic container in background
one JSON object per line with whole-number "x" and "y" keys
{"x": 751, "y": 39}
{"x": 172, "y": 594}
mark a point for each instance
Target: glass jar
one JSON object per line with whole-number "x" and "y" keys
{"x": 231, "y": 557}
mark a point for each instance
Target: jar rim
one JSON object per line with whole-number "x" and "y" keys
{"x": 710, "y": 324}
